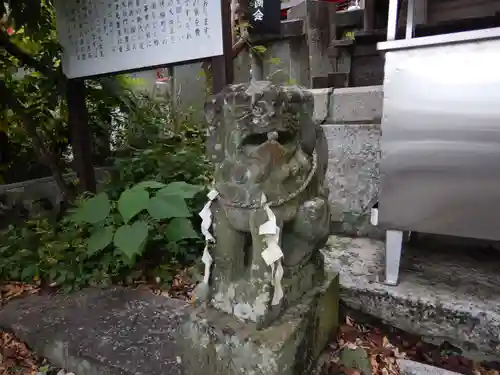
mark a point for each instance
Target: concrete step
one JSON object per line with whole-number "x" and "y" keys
{"x": 408, "y": 367}
{"x": 446, "y": 292}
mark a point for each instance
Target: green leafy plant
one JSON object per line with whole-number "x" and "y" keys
{"x": 142, "y": 224}
{"x": 147, "y": 233}
{"x": 149, "y": 148}
{"x": 148, "y": 210}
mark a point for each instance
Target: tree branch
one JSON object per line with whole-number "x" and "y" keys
{"x": 239, "y": 46}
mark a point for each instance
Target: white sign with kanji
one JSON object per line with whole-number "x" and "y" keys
{"x": 258, "y": 15}
{"x": 110, "y": 36}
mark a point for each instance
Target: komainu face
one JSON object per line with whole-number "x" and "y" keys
{"x": 257, "y": 143}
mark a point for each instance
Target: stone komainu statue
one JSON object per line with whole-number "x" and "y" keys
{"x": 267, "y": 153}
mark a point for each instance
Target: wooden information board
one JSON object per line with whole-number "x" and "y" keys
{"x": 112, "y": 36}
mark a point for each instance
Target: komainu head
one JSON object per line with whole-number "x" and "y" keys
{"x": 261, "y": 139}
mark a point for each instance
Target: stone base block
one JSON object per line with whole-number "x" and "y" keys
{"x": 233, "y": 298}
{"x": 213, "y": 342}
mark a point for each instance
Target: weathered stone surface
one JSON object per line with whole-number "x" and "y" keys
{"x": 120, "y": 331}
{"x": 353, "y": 175}
{"x": 265, "y": 146}
{"x": 36, "y": 197}
{"x": 367, "y": 66}
{"x": 446, "y": 292}
{"x": 408, "y": 367}
{"x": 101, "y": 332}
{"x": 218, "y": 343}
{"x": 321, "y": 104}
{"x": 357, "y": 105}
{"x": 285, "y": 61}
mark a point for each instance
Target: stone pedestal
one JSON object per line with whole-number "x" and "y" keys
{"x": 214, "y": 342}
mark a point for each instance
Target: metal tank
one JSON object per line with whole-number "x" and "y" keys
{"x": 440, "y": 166}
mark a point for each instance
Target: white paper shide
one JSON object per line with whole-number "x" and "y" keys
{"x": 206, "y": 223}
{"x": 272, "y": 254}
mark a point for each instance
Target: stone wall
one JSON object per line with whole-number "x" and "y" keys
{"x": 351, "y": 120}
{"x": 36, "y": 197}
{"x": 285, "y": 61}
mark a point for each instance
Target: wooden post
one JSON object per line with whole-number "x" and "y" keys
{"x": 222, "y": 66}
{"x": 81, "y": 140}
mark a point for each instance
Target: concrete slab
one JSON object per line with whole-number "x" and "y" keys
{"x": 114, "y": 331}
{"x": 121, "y": 331}
{"x": 357, "y": 105}
{"x": 408, "y": 367}
{"x": 446, "y": 292}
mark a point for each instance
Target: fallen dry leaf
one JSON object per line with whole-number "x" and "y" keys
{"x": 350, "y": 371}
{"x": 13, "y": 290}
{"x": 182, "y": 286}
{"x": 349, "y": 321}
{"x": 384, "y": 345}
{"x": 16, "y": 357}
{"x": 385, "y": 342}
{"x": 377, "y": 346}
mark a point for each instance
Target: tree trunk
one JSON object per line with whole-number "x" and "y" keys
{"x": 81, "y": 140}
{"x": 47, "y": 158}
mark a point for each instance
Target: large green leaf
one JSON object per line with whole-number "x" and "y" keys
{"x": 149, "y": 185}
{"x": 131, "y": 239}
{"x": 100, "y": 240}
{"x": 93, "y": 210}
{"x": 182, "y": 189}
{"x": 167, "y": 206}
{"x": 29, "y": 272}
{"x": 131, "y": 202}
{"x": 356, "y": 359}
{"x": 180, "y": 229}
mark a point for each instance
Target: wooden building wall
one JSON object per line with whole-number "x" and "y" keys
{"x": 448, "y": 10}
{"x": 437, "y": 11}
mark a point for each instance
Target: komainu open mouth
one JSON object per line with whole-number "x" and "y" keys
{"x": 257, "y": 139}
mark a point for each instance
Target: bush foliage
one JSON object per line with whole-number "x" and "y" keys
{"x": 143, "y": 225}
